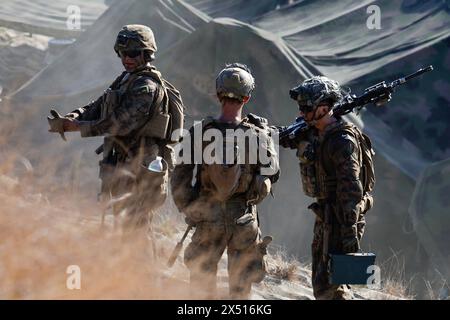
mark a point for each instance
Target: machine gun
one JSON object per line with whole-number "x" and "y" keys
{"x": 377, "y": 94}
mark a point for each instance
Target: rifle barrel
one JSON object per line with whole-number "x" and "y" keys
{"x": 419, "y": 72}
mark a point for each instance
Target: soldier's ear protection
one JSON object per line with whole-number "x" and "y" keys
{"x": 149, "y": 55}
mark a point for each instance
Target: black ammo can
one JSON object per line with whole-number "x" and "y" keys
{"x": 351, "y": 268}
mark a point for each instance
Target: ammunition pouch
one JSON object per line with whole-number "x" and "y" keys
{"x": 366, "y": 203}
{"x": 152, "y": 186}
{"x": 306, "y": 156}
{"x": 111, "y": 98}
{"x": 259, "y": 189}
{"x": 309, "y": 180}
{"x": 156, "y": 127}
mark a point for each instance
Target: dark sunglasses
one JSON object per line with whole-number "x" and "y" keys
{"x": 130, "y": 53}
{"x": 305, "y": 109}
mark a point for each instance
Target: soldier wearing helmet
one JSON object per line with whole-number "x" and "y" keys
{"x": 332, "y": 171}
{"x": 220, "y": 198}
{"x": 133, "y": 118}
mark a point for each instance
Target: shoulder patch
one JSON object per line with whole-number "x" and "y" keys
{"x": 144, "y": 85}
{"x": 342, "y": 144}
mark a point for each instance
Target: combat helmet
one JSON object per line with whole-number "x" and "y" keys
{"x": 136, "y": 37}
{"x": 314, "y": 91}
{"x": 235, "y": 81}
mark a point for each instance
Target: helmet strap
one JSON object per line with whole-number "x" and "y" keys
{"x": 314, "y": 120}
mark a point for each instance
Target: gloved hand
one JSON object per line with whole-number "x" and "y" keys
{"x": 56, "y": 122}
{"x": 382, "y": 101}
{"x": 285, "y": 143}
{"x": 189, "y": 221}
{"x": 259, "y": 189}
{"x": 350, "y": 242}
{"x": 289, "y": 144}
{"x": 318, "y": 211}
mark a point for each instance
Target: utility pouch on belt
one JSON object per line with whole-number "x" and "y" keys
{"x": 111, "y": 99}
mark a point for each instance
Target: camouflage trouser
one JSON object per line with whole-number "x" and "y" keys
{"x": 245, "y": 262}
{"x": 148, "y": 194}
{"x": 322, "y": 289}
{"x": 137, "y": 195}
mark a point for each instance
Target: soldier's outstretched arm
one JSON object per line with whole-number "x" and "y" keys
{"x": 130, "y": 115}
{"x": 71, "y": 121}
{"x": 89, "y": 112}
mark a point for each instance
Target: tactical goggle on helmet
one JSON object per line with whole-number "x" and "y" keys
{"x": 315, "y": 91}
{"x": 133, "y": 39}
{"x": 295, "y": 94}
{"x": 122, "y": 46}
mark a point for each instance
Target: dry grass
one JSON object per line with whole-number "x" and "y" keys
{"x": 282, "y": 267}
{"x": 438, "y": 288}
{"x": 47, "y": 227}
{"x": 393, "y": 278}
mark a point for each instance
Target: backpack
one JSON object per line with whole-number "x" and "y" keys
{"x": 367, "y": 159}
{"x": 176, "y": 110}
{"x": 169, "y": 124}
{"x": 367, "y": 154}
{"x": 367, "y": 174}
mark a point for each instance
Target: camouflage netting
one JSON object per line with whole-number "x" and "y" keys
{"x": 430, "y": 212}
{"x": 50, "y": 18}
{"x": 283, "y": 47}
{"x": 18, "y": 46}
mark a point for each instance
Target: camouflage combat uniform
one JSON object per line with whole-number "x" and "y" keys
{"x": 334, "y": 171}
{"x": 223, "y": 210}
{"x": 336, "y": 178}
{"x": 132, "y": 115}
{"x": 120, "y": 115}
